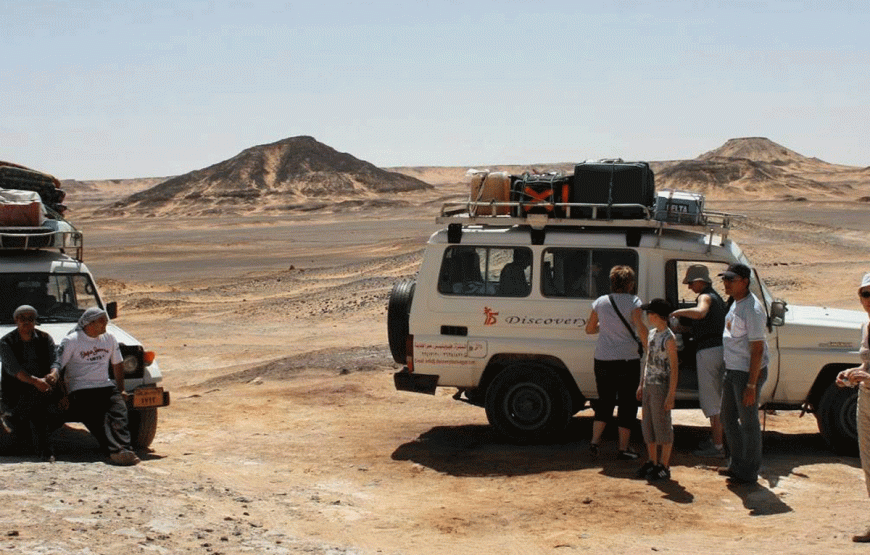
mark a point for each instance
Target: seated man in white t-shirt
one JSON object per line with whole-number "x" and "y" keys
{"x": 85, "y": 355}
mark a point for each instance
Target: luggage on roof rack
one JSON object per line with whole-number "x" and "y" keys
{"x": 613, "y": 182}
{"x": 13, "y": 176}
{"x": 541, "y": 193}
{"x": 487, "y": 187}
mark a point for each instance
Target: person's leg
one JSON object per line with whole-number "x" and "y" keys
{"x": 88, "y": 406}
{"x": 598, "y": 427}
{"x": 117, "y": 431}
{"x": 709, "y": 364}
{"x": 629, "y": 380}
{"x": 716, "y": 431}
{"x": 750, "y": 427}
{"x": 30, "y": 422}
{"x": 604, "y": 383}
{"x": 732, "y": 395}
{"x": 863, "y": 418}
{"x": 624, "y": 438}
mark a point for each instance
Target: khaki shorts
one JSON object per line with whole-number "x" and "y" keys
{"x": 711, "y": 371}
{"x": 656, "y": 424}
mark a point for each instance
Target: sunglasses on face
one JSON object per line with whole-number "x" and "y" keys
{"x": 26, "y": 319}
{"x": 864, "y": 294}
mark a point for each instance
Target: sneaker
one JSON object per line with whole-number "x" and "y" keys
{"x": 659, "y": 472}
{"x": 124, "y": 458}
{"x": 627, "y": 455}
{"x": 710, "y": 451}
{"x": 644, "y": 470}
{"x": 862, "y": 538}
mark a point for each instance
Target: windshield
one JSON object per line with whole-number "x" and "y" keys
{"x": 56, "y": 297}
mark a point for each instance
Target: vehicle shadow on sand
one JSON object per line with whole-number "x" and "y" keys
{"x": 479, "y": 451}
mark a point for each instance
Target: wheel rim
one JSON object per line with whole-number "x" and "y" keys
{"x": 527, "y": 406}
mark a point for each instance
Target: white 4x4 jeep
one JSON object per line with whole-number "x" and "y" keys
{"x": 35, "y": 270}
{"x": 499, "y": 308}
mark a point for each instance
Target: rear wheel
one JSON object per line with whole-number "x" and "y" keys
{"x": 837, "y": 418}
{"x": 528, "y": 402}
{"x": 398, "y": 312}
{"x": 143, "y": 427}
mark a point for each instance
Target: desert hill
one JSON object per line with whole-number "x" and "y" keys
{"x": 294, "y": 173}
{"x": 756, "y": 167}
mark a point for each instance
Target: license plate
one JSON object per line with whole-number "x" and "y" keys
{"x": 151, "y": 397}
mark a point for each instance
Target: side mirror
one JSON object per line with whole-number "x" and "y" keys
{"x": 778, "y": 308}
{"x": 112, "y": 310}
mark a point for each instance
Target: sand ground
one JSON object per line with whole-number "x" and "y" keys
{"x": 285, "y": 433}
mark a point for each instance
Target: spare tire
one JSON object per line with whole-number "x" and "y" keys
{"x": 398, "y": 312}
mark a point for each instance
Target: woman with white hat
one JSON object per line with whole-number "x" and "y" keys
{"x": 860, "y": 376}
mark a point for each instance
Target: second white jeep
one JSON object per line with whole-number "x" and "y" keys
{"x": 499, "y": 306}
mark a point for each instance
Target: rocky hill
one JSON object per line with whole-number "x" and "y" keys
{"x": 295, "y": 173}
{"x": 758, "y": 167}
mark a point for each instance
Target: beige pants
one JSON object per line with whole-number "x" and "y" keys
{"x": 864, "y": 433}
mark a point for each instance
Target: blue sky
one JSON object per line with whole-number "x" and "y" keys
{"x": 109, "y": 89}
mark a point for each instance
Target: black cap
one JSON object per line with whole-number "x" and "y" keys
{"x": 658, "y": 306}
{"x": 737, "y": 270}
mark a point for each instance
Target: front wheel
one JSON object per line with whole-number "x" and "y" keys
{"x": 143, "y": 427}
{"x": 528, "y": 402}
{"x": 837, "y": 419}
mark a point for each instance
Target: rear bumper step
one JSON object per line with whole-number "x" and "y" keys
{"x": 415, "y": 383}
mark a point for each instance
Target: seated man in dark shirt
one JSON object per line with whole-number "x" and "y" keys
{"x": 29, "y": 386}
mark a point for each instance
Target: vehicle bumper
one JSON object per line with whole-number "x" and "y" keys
{"x": 405, "y": 380}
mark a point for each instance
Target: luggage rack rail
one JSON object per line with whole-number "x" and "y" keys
{"x": 469, "y": 212}
{"x": 62, "y": 236}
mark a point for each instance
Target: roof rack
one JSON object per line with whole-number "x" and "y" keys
{"x": 54, "y": 233}
{"x": 476, "y": 213}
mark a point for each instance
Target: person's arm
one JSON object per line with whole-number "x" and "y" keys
{"x": 756, "y": 352}
{"x": 117, "y": 362}
{"x": 642, "y": 330}
{"x": 643, "y": 365}
{"x": 40, "y": 384}
{"x": 698, "y": 312}
{"x": 851, "y": 377}
{"x": 9, "y": 360}
{"x": 118, "y": 372}
{"x": 674, "y": 361}
{"x": 54, "y": 373}
{"x": 592, "y": 323}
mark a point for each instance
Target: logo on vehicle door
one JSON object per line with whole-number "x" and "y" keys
{"x": 490, "y": 316}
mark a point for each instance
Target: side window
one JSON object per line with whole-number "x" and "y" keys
{"x": 581, "y": 273}
{"x": 82, "y": 294}
{"x": 486, "y": 271}
{"x": 678, "y": 293}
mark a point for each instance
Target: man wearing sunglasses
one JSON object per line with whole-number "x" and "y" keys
{"x": 744, "y": 342}
{"x": 29, "y": 392}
